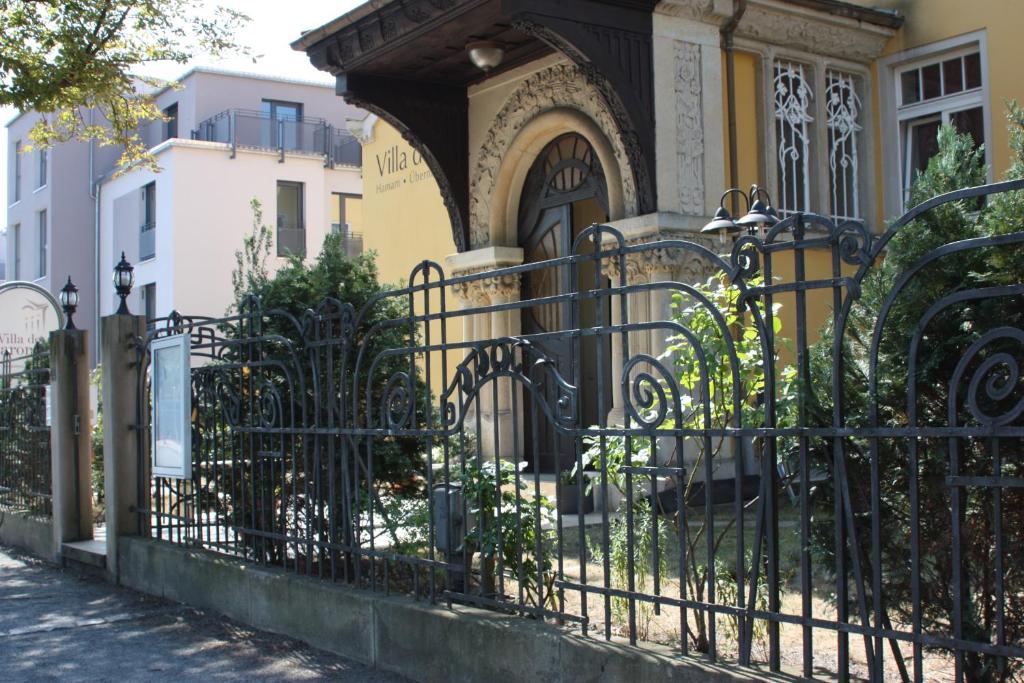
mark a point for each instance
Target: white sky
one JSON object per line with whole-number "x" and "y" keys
{"x": 275, "y": 24}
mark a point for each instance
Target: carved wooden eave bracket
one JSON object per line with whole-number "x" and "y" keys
{"x": 611, "y": 45}
{"x": 824, "y": 27}
{"x": 431, "y": 117}
{"x": 434, "y": 120}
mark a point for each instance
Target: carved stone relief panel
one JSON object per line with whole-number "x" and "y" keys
{"x": 689, "y": 128}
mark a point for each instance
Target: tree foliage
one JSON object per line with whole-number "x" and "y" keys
{"x": 63, "y": 59}
{"x": 251, "y": 273}
{"x": 300, "y": 285}
{"x": 914, "y": 388}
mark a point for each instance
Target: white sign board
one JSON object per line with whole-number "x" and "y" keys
{"x": 172, "y": 407}
{"x": 28, "y": 314}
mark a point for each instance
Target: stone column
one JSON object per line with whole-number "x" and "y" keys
{"x": 612, "y": 266}
{"x": 71, "y": 451}
{"x": 659, "y": 265}
{"x": 479, "y": 292}
{"x": 504, "y": 289}
{"x": 123, "y": 456}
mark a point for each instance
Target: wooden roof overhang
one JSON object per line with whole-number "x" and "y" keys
{"x": 405, "y": 60}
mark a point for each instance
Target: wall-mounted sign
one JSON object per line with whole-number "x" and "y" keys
{"x": 28, "y": 314}
{"x": 172, "y": 407}
{"x": 397, "y": 167}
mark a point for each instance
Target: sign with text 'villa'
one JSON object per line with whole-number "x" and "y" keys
{"x": 28, "y": 313}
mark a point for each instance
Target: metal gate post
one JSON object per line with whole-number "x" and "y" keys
{"x": 70, "y": 450}
{"x": 123, "y": 454}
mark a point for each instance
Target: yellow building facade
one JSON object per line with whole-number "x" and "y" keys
{"x": 403, "y": 199}
{"x": 829, "y": 106}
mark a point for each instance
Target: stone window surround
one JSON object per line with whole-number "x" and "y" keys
{"x": 817, "y": 66}
{"x": 888, "y": 67}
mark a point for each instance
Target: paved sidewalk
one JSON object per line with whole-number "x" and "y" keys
{"x": 55, "y": 625}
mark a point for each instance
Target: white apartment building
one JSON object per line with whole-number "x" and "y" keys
{"x": 229, "y": 138}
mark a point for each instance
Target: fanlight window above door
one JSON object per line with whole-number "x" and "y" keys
{"x": 567, "y": 170}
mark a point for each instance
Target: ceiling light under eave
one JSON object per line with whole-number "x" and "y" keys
{"x": 485, "y": 54}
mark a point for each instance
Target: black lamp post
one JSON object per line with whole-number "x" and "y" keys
{"x": 124, "y": 277}
{"x": 760, "y": 214}
{"x": 69, "y": 302}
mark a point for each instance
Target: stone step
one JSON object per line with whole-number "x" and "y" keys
{"x": 85, "y": 554}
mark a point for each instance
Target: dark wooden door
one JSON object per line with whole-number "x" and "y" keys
{"x": 545, "y": 325}
{"x": 566, "y": 176}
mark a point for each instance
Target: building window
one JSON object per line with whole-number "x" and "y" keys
{"x": 16, "y": 249}
{"x": 291, "y": 232}
{"x": 280, "y": 123}
{"x": 793, "y": 118}
{"x": 15, "y": 191}
{"x": 147, "y": 231}
{"x": 346, "y": 212}
{"x": 42, "y": 242}
{"x": 842, "y": 118}
{"x": 41, "y": 165}
{"x": 817, "y": 167}
{"x": 149, "y": 304}
{"x": 149, "y": 204}
{"x": 932, "y": 92}
{"x": 171, "y": 124}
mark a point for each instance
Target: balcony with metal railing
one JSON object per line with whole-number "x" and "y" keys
{"x": 147, "y": 241}
{"x": 351, "y": 242}
{"x": 245, "y": 129}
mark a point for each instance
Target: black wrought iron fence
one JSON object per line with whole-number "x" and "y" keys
{"x": 25, "y": 484}
{"x": 624, "y": 440}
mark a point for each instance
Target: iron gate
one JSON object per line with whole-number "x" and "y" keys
{"x": 25, "y": 483}
{"x": 775, "y": 497}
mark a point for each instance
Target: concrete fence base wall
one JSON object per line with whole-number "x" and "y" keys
{"x": 32, "y": 534}
{"x": 422, "y": 641}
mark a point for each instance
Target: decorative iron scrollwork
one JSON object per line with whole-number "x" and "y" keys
{"x": 994, "y": 380}
{"x": 398, "y": 401}
{"x": 645, "y": 396}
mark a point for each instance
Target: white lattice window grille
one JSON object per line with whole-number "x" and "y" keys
{"x": 794, "y": 102}
{"x": 842, "y": 120}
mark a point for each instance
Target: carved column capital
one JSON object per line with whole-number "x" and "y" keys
{"x": 497, "y": 289}
{"x": 502, "y": 288}
{"x": 470, "y": 293}
{"x": 658, "y": 263}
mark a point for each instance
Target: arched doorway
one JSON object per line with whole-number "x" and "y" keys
{"x": 565, "y": 191}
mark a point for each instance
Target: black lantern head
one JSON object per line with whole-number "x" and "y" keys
{"x": 760, "y": 215}
{"x": 69, "y": 302}
{"x": 124, "y": 278}
{"x": 722, "y": 224}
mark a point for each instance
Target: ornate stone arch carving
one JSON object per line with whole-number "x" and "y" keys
{"x": 563, "y": 86}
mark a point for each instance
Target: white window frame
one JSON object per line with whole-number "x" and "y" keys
{"x": 895, "y": 117}
{"x": 818, "y": 66}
